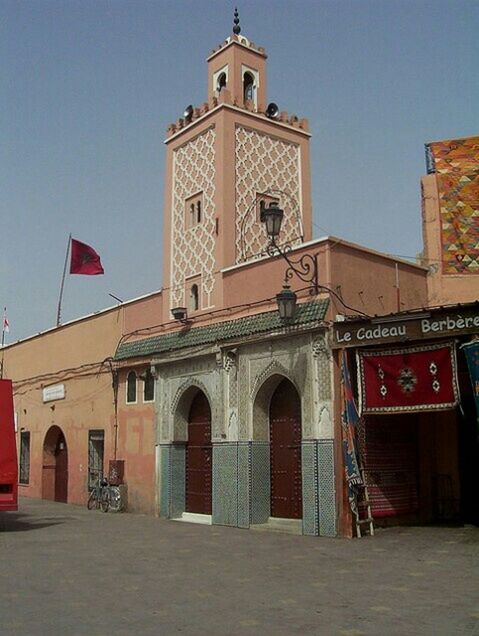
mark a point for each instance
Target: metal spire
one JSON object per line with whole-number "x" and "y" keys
{"x": 236, "y": 28}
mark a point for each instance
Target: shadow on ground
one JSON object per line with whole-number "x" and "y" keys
{"x": 20, "y": 522}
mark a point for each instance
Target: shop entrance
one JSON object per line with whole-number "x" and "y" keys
{"x": 389, "y": 448}
{"x": 420, "y": 467}
{"x": 198, "y": 457}
{"x": 285, "y": 445}
{"x": 55, "y": 466}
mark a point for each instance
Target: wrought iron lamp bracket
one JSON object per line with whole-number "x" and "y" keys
{"x": 305, "y": 267}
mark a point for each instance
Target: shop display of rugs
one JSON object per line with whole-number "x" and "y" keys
{"x": 408, "y": 379}
{"x": 456, "y": 164}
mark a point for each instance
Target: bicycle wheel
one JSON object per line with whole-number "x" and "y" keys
{"x": 92, "y": 500}
{"x": 105, "y": 500}
{"x": 115, "y": 499}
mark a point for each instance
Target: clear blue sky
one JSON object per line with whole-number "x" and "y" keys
{"x": 89, "y": 86}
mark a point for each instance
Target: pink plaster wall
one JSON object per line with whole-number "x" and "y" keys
{"x": 72, "y": 355}
{"x": 366, "y": 280}
{"x": 143, "y": 313}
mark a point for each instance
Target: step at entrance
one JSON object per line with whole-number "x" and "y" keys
{"x": 277, "y": 524}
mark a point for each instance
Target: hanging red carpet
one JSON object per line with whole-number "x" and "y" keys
{"x": 408, "y": 379}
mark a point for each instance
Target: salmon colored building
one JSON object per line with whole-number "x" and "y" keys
{"x": 70, "y": 416}
{"x": 221, "y": 412}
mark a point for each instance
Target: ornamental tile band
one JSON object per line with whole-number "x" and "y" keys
{"x": 306, "y": 313}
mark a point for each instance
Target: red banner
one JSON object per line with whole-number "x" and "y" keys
{"x": 409, "y": 379}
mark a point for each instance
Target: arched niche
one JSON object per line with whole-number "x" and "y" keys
{"x": 182, "y": 406}
{"x": 261, "y": 405}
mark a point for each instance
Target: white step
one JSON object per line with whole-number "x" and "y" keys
{"x": 278, "y": 524}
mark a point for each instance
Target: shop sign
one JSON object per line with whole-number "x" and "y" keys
{"x": 406, "y": 328}
{"x": 54, "y": 392}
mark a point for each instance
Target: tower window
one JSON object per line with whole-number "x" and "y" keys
{"x": 221, "y": 81}
{"x": 248, "y": 87}
{"x": 194, "y": 298}
{"x": 194, "y": 210}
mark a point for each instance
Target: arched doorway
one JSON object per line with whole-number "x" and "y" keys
{"x": 198, "y": 457}
{"x": 55, "y": 466}
{"x": 285, "y": 450}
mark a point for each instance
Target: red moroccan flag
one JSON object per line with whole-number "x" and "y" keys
{"x": 84, "y": 260}
{"x": 410, "y": 379}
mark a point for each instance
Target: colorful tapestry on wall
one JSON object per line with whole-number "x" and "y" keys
{"x": 409, "y": 379}
{"x": 471, "y": 351}
{"x": 390, "y": 465}
{"x": 350, "y": 423}
{"x": 456, "y": 164}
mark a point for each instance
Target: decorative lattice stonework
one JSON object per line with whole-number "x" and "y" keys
{"x": 193, "y": 248}
{"x": 262, "y": 164}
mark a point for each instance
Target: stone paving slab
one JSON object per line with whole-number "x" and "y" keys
{"x": 67, "y": 571}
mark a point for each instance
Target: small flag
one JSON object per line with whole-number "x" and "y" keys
{"x": 84, "y": 259}
{"x": 5, "y": 329}
{"x": 6, "y": 324}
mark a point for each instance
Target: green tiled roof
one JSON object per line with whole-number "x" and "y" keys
{"x": 309, "y": 312}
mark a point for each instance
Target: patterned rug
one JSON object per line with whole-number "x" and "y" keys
{"x": 408, "y": 379}
{"x": 456, "y": 164}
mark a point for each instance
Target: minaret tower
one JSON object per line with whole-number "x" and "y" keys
{"x": 225, "y": 159}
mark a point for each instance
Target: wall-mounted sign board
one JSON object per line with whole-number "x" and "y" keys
{"x": 54, "y": 392}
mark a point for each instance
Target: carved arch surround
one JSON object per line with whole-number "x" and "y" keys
{"x": 261, "y": 395}
{"x": 181, "y": 404}
{"x": 273, "y": 368}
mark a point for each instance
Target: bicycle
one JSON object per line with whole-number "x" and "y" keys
{"x": 104, "y": 496}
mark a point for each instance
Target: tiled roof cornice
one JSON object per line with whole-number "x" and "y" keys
{"x": 306, "y": 314}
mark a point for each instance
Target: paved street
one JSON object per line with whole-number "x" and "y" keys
{"x": 67, "y": 571}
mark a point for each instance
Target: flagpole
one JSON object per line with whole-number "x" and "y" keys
{"x": 63, "y": 281}
{"x": 3, "y": 325}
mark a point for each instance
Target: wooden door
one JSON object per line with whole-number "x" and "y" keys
{"x": 198, "y": 457}
{"x": 61, "y": 470}
{"x": 285, "y": 444}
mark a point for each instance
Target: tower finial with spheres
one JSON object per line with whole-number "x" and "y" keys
{"x": 236, "y": 28}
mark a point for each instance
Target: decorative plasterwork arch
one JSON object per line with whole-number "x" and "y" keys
{"x": 273, "y": 368}
{"x": 181, "y": 404}
{"x": 264, "y": 388}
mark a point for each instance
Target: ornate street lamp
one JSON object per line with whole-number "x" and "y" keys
{"x": 272, "y": 217}
{"x": 305, "y": 267}
{"x": 286, "y": 300}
